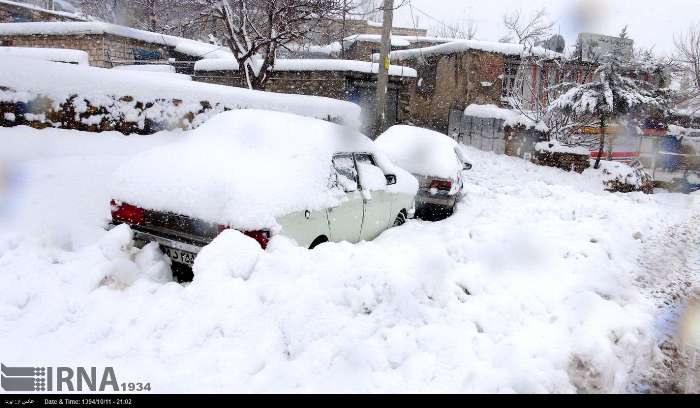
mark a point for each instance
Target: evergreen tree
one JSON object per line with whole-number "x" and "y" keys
{"x": 616, "y": 91}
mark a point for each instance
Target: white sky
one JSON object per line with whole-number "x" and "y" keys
{"x": 651, "y": 22}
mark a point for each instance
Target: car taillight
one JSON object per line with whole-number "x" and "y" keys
{"x": 127, "y": 213}
{"x": 262, "y": 237}
{"x": 443, "y": 185}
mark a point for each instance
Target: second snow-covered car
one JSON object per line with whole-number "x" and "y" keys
{"x": 435, "y": 159}
{"x": 261, "y": 173}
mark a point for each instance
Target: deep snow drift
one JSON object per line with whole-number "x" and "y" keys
{"x": 530, "y": 287}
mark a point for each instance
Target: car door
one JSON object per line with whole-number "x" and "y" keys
{"x": 345, "y": 221}
{"x": 376, "y": 199}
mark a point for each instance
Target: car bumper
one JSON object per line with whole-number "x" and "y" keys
{"x": 425, "y": 198}
{"x": 141, "y": 239}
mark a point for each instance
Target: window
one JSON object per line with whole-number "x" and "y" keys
{"x": 372, "y": 178}
{"x": 510, "y": 76}
{"x": 141, "y": 54}
{"x": 344, "y": 166}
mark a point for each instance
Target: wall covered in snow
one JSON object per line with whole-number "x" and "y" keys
{"x": 77, "y": 97}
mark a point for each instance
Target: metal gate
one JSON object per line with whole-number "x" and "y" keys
{"x": 482, "y": 133}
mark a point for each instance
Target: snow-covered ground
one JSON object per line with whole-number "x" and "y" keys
{"x": 534, "y": 285}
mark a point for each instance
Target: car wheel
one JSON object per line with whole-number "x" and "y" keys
{"x": 400, "y": 219}
{"x": 318, "y": 241}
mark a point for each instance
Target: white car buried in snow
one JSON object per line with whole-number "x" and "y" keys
{"x": 264, "y": 174}
{"x": 435, "y": 159}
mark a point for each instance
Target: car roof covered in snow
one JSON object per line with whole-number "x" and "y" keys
{"x": 247, "y": 168}
{"x": 422, "y": 151}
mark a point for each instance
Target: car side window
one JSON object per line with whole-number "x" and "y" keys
{"x": 372, "y": 177}
{"x": 344, "y": 166}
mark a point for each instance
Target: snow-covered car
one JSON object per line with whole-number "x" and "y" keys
{"x": 264, "y": 174}
{"x": 436, "y": 160}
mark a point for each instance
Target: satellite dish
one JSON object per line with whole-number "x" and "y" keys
{"x": 555, "y": 43}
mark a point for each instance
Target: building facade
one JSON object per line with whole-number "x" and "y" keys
{"x": 110, "y": 45}
{"x": 455, "y": 75}
{"x": 104, "y": 50}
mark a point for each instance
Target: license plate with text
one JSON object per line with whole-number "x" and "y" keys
{"x": 179, "y": 256}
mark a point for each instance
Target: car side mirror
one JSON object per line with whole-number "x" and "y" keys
{"x": 467, "y": 166}
{"x": 390, "y": 179}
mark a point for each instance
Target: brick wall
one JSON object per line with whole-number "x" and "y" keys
{"x": 105, "y": 51}
{"x": 454, "y": 81}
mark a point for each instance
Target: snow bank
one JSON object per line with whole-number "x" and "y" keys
{"x": 555, "y": 146}
{"x": 47, "y": 54}
{"x": 509, "y": 117}
{"x": 534, "y": 285}
{"x": 421, "y": 151}
{"x": 246, "y": 168}
{"x": 29, "y": 79}
{"x": 469, "y": 45}
{"x": 161, "y": 70}
{"x": 620, "y": 177}
{"x": 230, "y": 64}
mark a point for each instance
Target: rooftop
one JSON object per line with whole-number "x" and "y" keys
{"x": 183, "y": 45}
{"x": 457, "y": 46}
{"x": 43, "y": 10}
{"x": 229, "y": 64}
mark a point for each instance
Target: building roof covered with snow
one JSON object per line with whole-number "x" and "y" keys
{"x": 509, "y": 117}
{"x": 16, "y": 12}
{"x": 366, "y": 67}
{"x": 461, "y": 46}
{"x": 179, "y": 44}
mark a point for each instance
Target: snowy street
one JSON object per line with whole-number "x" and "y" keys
{"x": 540, "y": 282}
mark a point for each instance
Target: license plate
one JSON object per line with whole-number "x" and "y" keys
{"x": 179, "y": 256}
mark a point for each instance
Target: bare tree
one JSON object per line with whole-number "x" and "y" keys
{"x": 688, "y": 51}
{"x": 158, "y": 16}
{"x": 688, "y": 56}
{"x": 531, "y": 96}
{"x": 528, "y": 31}
{"x": 459, "y": 30}
{"x": 255, "y": 30}
{"x": 368, "y": 9}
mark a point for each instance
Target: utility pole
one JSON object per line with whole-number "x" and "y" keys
{"x": 384, "y": 63}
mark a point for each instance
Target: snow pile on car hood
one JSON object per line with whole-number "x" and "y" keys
{"x": 421, "y": 151}
{"x": 246, "y": 168}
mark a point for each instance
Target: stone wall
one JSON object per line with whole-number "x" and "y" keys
{"x": 330, "y": 84}
{"x": 105, "y": 51}
{"x": 453, "y": 81}
{"x": 319, "y": 83}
